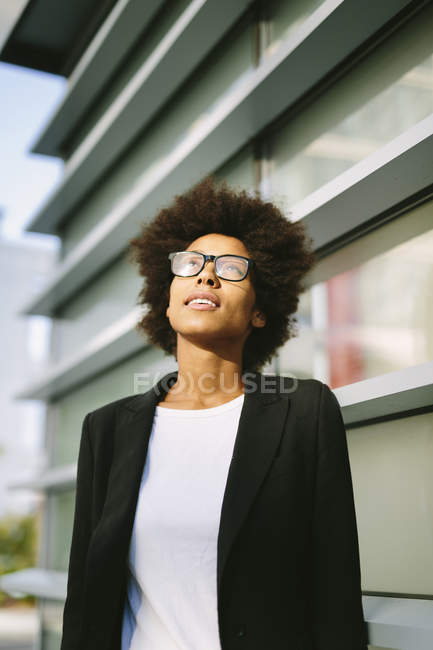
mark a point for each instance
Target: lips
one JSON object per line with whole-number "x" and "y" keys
{"x": 206, "y": 295}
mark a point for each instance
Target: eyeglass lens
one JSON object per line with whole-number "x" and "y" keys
{"x": 228, "y": 267}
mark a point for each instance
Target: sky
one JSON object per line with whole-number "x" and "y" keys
{"x": 28, "y": 99}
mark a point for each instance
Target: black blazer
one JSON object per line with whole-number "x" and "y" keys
{"x": 288, "y": 571}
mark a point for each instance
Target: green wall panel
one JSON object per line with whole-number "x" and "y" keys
{"x": 105, "y": 299}
{"x": 181, "y": 117}
{"x": 136, "y": 58}
{"x": 112, "y": 384}
{"x": 392, "y": 471}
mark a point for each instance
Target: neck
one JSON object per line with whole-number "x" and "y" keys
{"x": 204, "y": 377}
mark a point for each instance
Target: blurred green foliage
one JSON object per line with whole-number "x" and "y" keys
{"x": 18, "y": 550}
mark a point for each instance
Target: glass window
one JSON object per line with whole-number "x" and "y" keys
{"x": 385, "y": 94}
{"x": 369, "y": 310}
{"x": 392, "y": 471}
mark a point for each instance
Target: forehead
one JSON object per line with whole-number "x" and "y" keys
{"x": 217, "y": 244}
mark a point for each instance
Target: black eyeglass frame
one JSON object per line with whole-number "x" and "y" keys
{"x": 213, "y": 259}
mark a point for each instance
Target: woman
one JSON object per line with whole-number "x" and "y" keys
{"x": 215, "y": 510}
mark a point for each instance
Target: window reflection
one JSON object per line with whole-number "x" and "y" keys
{"x": 375, "y": 313}
{"x": 384, "y": 95}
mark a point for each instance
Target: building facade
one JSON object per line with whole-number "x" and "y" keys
{"x": 325, "y": 107}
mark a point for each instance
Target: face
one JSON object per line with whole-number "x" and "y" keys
{"x": 236, "y": 315}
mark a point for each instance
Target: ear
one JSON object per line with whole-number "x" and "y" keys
{"x": 259, "y": 319}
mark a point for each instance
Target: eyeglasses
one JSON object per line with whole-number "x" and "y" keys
{"x": 228, "y": 267}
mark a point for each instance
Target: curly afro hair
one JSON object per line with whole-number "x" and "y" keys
{"x": 282, "y": 251}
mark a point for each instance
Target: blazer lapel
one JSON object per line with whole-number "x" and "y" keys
{"x": 259, "y": 432}
{"x": 131, "y": 440}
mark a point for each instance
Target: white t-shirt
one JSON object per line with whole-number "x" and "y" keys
{"x": 171, "y": 599}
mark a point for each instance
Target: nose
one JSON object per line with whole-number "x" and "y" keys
{"x": 207, "y": 275}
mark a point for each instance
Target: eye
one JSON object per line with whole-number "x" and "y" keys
{"x": 233, "y": 267}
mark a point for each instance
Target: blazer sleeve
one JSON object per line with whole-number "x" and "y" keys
{"x": 338, "y": 618}
{"x": 72, "y": 612}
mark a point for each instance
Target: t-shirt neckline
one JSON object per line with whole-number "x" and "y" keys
{"x": 196, "y": 413}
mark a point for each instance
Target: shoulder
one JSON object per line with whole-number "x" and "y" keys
{"x": 108, "y": 412}
{"x": 302, "y": 391}
{"x": 316, "y": 404}
{"x": 101, "y": 423}
{"x": 308, "y": 396}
